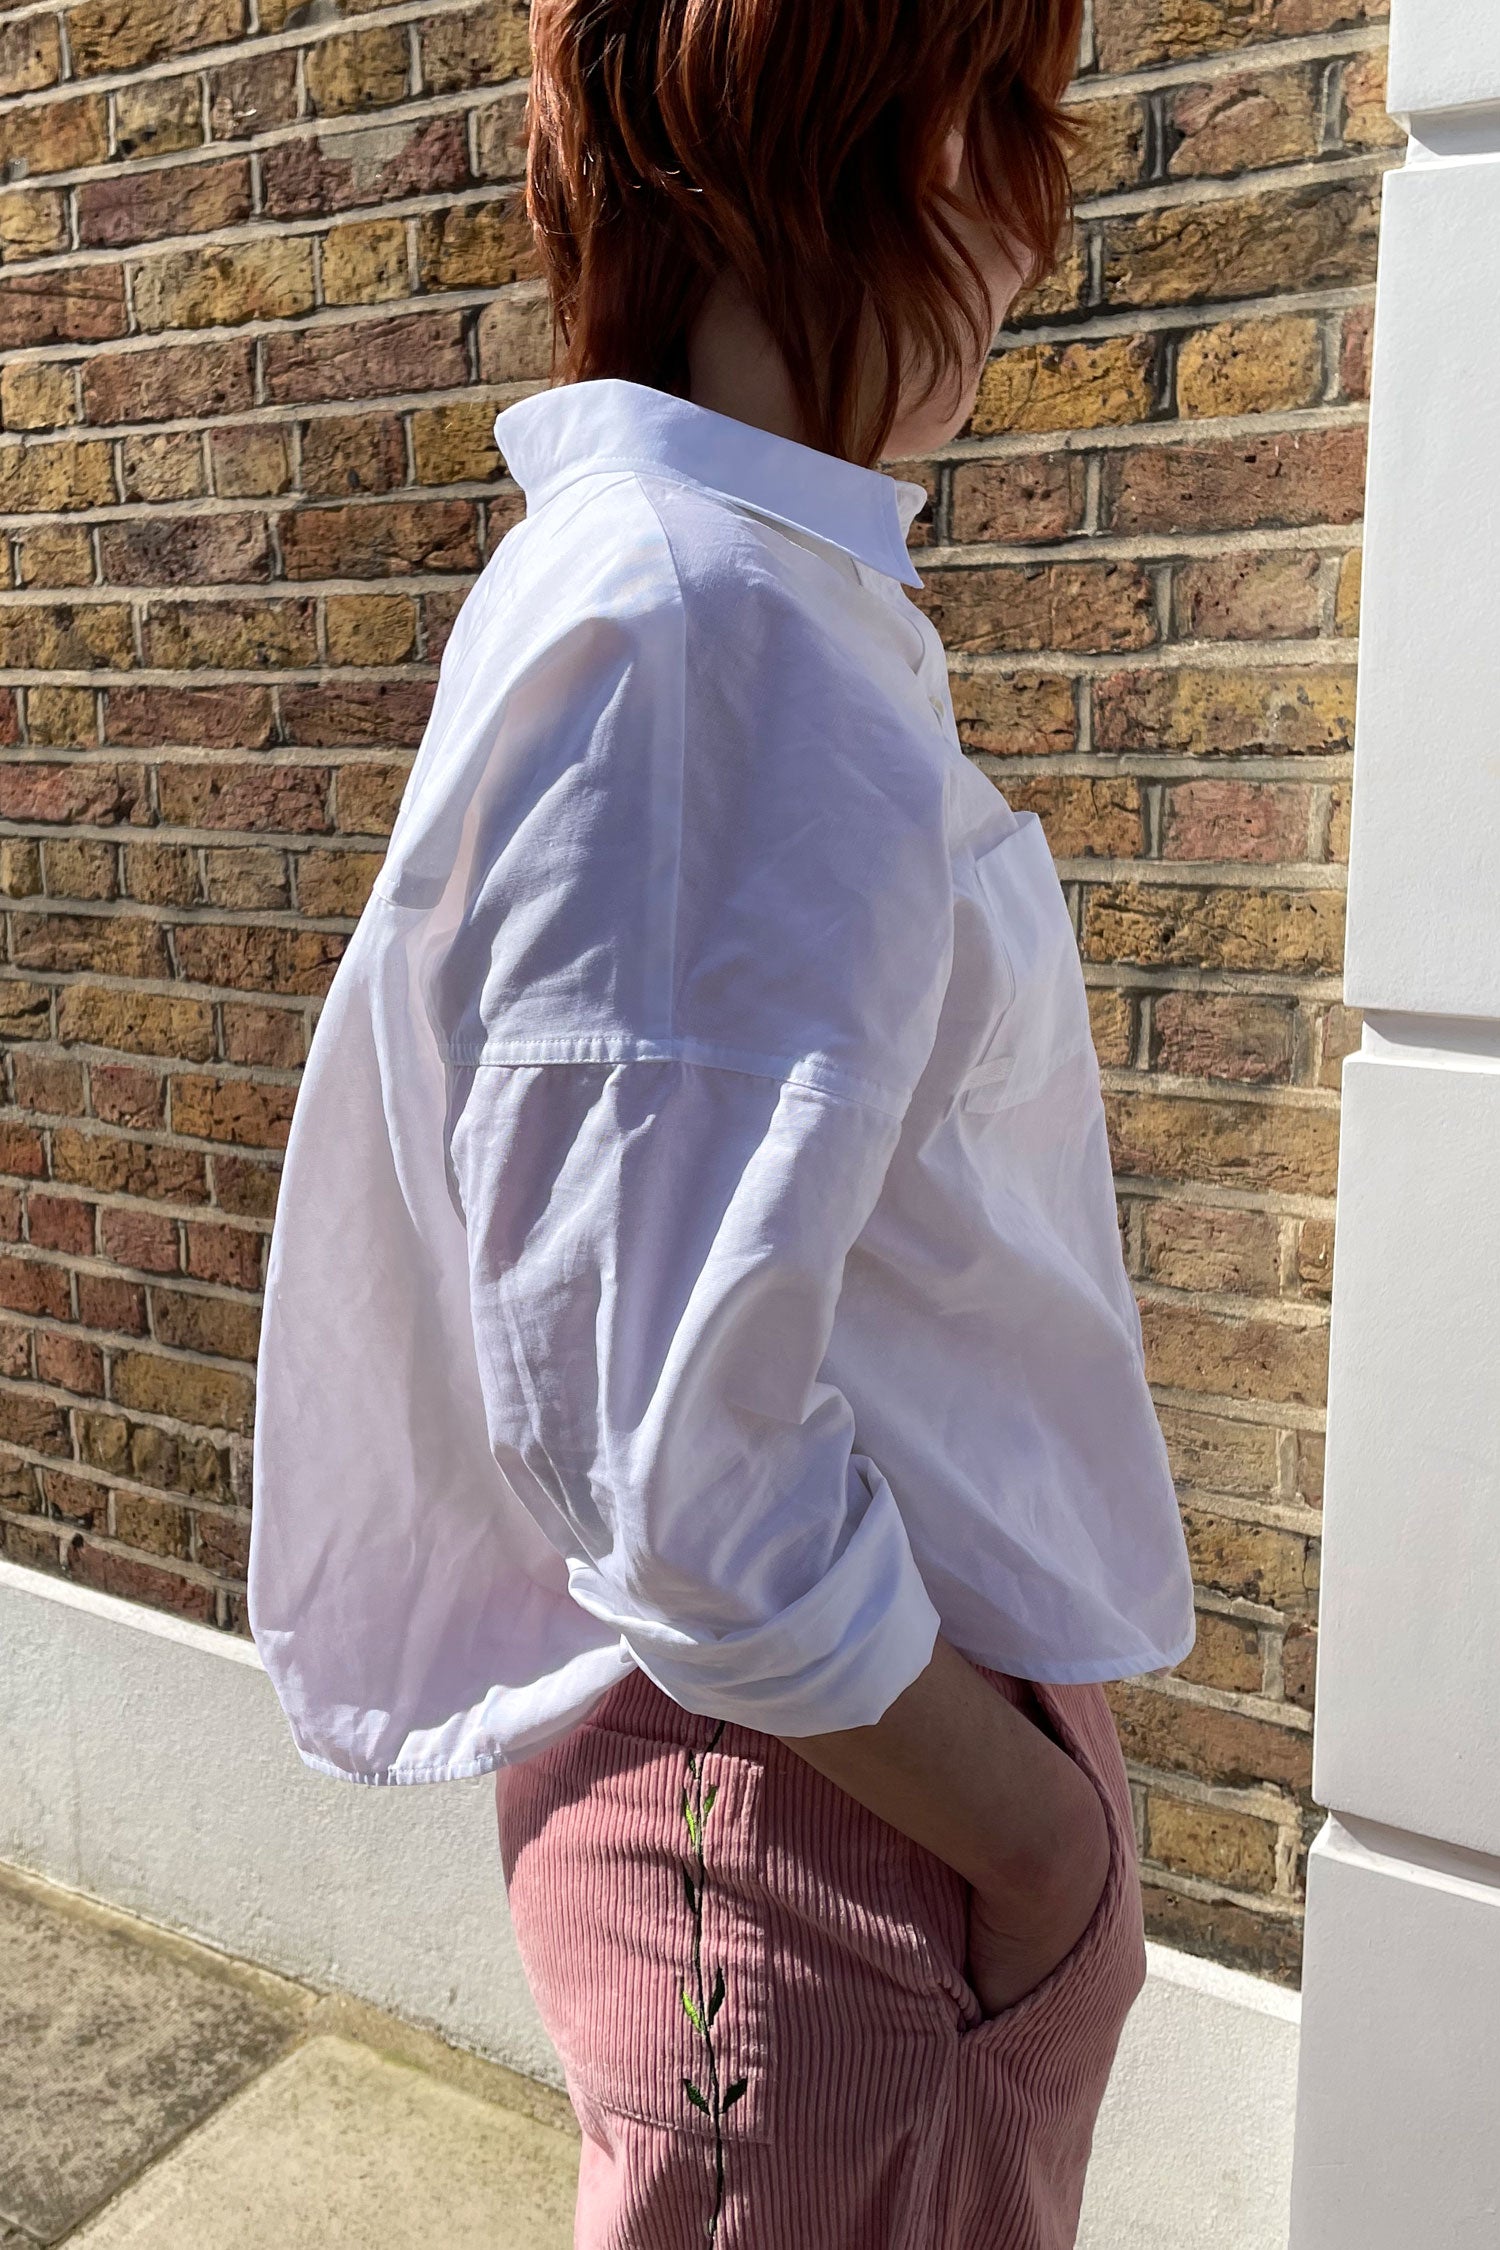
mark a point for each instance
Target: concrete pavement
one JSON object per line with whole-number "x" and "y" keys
{"x": 157, "y": 2096}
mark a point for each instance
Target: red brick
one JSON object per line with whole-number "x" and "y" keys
{"x": 108, "y": 1302}
{"x": 81, "y": 791}
{"x": 165, "y": 381}
{"x": 34, "y": 1287}
{"x": 318, "y": 174}
{"x": 1222, "y": 1035}
{"x": 367, "y": 358}
{"x": 115, "y": 1572}
{"x": 270, "y": 1038}
{"x": 51, "y": 1084}
{"x": 1248, "y": 597}
{"x": 1084, "y": 606}
{"x": 380, "y": 541}
{"x": 251, "y": 94}
{"x": 82, "y": 304}
{"x": 232, "y": 1256}
{"x": 140, "y": 1239}
{"x": 1020, "y": 498}
{"x": 258, "y": 959}
{"x": 1257, "y": 821}
{"x": 227, "y": 718}
{"x": 179, "y": 199}
{"x": 1286, "y": 478}
{"x": 258, "y": 797}
{"x": 345, "y": 713}
{"x": 61, "y": 1222}
{"x": 71, "y": 1363}
{"x": 124, "y": 1094}
{"x": 343, "y": 454}
{"x": 188, "y": 550}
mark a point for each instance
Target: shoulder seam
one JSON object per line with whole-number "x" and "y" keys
{"x": 609, "y": 1051}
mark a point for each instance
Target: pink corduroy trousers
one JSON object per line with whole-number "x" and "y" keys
{"x": 757, "y": 1990}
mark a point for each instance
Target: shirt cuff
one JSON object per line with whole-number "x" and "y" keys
{"x": 836, "y": 1657}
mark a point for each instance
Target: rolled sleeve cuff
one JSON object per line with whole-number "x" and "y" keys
{"x": 836, "y": 1657}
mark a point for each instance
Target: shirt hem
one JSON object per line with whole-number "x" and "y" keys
{"x": 1087, "y": 1671}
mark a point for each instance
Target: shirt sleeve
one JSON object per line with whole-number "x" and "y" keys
{"x": 656, "y": 1250}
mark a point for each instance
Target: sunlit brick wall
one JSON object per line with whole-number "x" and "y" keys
{"x": 263, "y": 285}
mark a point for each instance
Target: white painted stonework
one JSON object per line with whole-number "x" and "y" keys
{"x": 147, "y": 1763}
{"x": 1398, "y": 2130}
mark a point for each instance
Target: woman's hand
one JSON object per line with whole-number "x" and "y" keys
{"x": 1022, "y": 1925}
{"x": 979, "y": 1783}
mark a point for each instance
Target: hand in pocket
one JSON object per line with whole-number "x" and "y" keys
{"x": 1022, "y": 1927}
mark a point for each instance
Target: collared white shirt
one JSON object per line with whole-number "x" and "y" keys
{"x": 697, "y": 1242}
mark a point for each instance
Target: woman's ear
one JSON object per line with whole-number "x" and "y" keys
{"x": 951, "y": 162}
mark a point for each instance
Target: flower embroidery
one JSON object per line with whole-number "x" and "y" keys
{"x": 701, "y": 2007}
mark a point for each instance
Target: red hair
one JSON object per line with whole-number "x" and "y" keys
{"x": 797, "y": 145}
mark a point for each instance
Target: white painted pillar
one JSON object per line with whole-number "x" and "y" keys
{"x": 1398, "y": 2133}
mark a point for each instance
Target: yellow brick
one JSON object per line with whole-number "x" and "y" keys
{"x": 1226, "y": 1655}
{"x": 455, "y": 444}
{"x": 163, "y": 465}
{"x": 56, "y": 554}
{"x": 366, "y": 263}
{"x": 37, "y": 395}
{"x": 220, "y": 287}
{"x": 475, "y": 246}
{"x": 1204, "y": 1840}
{"x": 1346, "y": 601}
{"x": 1250, "y": 367}
{"x": 1195, "y": 926}
{"x": 33, "y": 225}
{"x": 336, "y": 882}
{"x": 1066, "y": 386}
{"x": 68, "y": 637}
{"x": 57, "y": 136}
{"x": 1367, "y": 123}
{"x": 158, "y": 115}
{"x": 358, "y": 70}
{"x": 125, "y": 34}
{"x": 64, "y": 718}
{"x": 1252, "y": 1562}
{"x": 50, "y": 478}
{"x": 1112, "y": 152}
{"x": 1224, "y": 1143}
{"x": 30, "y": 55}
{"x": 515, "y": 336}
{"x": 371, "y": 628}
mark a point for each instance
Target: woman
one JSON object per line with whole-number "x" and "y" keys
{"x": 699, "y": 1377}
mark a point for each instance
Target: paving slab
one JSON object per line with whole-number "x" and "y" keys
{"x": 111, "y": 2048}
{"x": 338, "y": 2148}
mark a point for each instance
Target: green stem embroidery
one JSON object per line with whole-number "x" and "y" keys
{"x": 702, "y": 2008}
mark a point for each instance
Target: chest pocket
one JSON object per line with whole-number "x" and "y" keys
{"x": 1044, "y": 1018}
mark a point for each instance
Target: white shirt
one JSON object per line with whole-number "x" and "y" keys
{"x": 697, "y": 1243}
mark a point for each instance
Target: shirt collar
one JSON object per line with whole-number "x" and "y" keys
{"x": 576, "y": 429}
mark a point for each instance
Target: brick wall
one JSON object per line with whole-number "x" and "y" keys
{"x": 263, "y": 284}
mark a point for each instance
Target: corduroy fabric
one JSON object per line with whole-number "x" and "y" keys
{"x": 882, "y": 2109}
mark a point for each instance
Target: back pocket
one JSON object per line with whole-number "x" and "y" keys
{"x": 635, "y": 1872}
